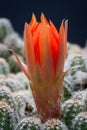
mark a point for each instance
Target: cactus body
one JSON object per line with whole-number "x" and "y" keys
{"x": 4, "y": 51}
{"x": 13, "y": 41}
{"x": 76, "y": 77}
{"x": 5, "y": 28}
{"x": 25, "y": 103}
{"x": 23, "y": 79}
{"x": 29, "y": 123}
{"x": 81, "y": 95}
{"x": 14, "y": 67}
{"x": 12, "y": 84}
{"x": 71, "y": 108}
{"x": 67, "y": 92}
{"x": 54, "y": 124}
{"x": 4, "y": 67}
{"x": 6, "y": 117}
{"x": 6, "y": 96}
{"x": 80, "y": 122}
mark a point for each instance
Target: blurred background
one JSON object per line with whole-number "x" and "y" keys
{"x": 19, "y": 11}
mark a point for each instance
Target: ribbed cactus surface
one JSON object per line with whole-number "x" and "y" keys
{"x": 7, "y": 118}
{"x": 80, "y": 122}
{"x": 30, "y": 123}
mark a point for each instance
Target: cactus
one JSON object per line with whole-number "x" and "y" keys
{"x": 25, "y": 103}
{"x": 6, "y": 96}
{"x": 23, "y": 79}
{"x": 14, "y": 67}
{"x": 17, "y": 107}
{"x": 54, "y": 124}
{"x": 81, "y": 95}
{"x": 81, "y": 80}
{"x": 13, "y": 41}
{"x": 12, "y": 84}
{"x": 4, "y": 51}
{"x": 4, "y": 67}
{"x": 80, "y": 122}
{"x": 74, "y": 60}
{"x": 2, "y": 76}
{"x": 6, "y": 117}
{"x": 30, "y": 123}
{"x": 71, "y": 108}
{"x": 85, "y": 99}
{"x": 67, "y": 92}
{"x": 78, "y": 81}
{"x": 85, "y": 64}
{"x": 5, "y": 28}
{"x": 11, "y": 75}
{"x": 75, "y": 49}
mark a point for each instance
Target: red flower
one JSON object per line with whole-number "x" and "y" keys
{"x": 45, "y": 50}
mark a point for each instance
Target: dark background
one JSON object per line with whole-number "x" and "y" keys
{"x": 19, "y": 11}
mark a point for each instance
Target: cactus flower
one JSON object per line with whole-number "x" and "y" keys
{"x": 45, "y": 51}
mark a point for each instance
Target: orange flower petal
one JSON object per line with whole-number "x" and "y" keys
{"x": 33, "y": 30}
{"x": 29, "y": 50}
{"x": 55, "y": 48}
{"x": 54, "y": 30}
{"x": 36, "y": 45}
{"x": 44, "y": 18}
{"x": 33, "y": 21}
{"x": 45, "y": 50}
{"x": 66, "y": 30}
{"x": 62, "y": 47}
{"x": 33, "y": 24}
{"x": 50, "y": 52}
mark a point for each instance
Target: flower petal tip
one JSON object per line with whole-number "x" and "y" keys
{"x": 43, "y": 18}
{"x": 65, "y": 22}
{"x": 33, "y": 17}
{"x": 25, "y": 25}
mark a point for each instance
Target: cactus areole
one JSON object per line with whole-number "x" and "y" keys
{"x": 45, "y": 50}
